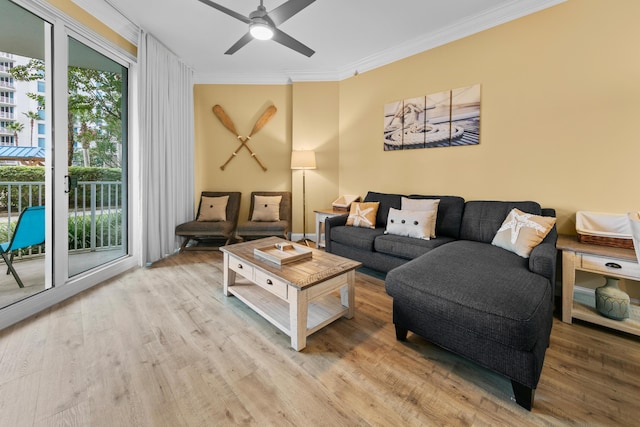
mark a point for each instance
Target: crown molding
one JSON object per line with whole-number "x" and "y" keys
{"x": 241, "y": 79}
{"x": 463, "y": 28}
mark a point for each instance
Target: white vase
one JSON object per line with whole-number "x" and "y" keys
{"x": 611, "y": 301}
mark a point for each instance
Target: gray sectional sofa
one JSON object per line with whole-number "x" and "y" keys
{"x": 458, "y": 290}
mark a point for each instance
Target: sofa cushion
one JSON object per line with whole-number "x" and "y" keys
{"x": 424, "y": 205}
{"x": 386, "y": 201}
{"x": 363, "y": 215}
{"x": 357, "y": 237}
{"x": 482, "y": 219}
{"x": 479, "y": 287}
{"x": 449, "y": 216}
{"x": 521, "y": 232}
{"x": 407, "y": 247}
{"x": 408, "y": 223}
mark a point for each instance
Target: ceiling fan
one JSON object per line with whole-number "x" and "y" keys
{"x": 263, "y": 25}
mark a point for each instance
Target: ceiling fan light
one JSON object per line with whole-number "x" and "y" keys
{"x": 261, "y": 31}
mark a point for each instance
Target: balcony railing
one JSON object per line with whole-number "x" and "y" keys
{"x": 95, "y": 212}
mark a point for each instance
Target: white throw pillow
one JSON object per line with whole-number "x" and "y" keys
{"x": 213, "y": 208}
{"x": 266, "y": 208}
{"x": 521, "y": 232}
{"x": 425, "y": 205}
{"x": 416, "y": 224}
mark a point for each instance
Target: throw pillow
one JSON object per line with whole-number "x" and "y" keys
{"x": 213, "y": 208}
{"x": 266, "y": 208}
{"x": 423, "y": 205}
{"x": 521, "y": 232}
{"x": 410, "y": 223}
{"x": 363, "y": 214}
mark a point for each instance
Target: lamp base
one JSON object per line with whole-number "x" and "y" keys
{"x": 310, "y": 243}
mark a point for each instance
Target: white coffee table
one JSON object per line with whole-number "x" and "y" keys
{"x": 298, "y": 298}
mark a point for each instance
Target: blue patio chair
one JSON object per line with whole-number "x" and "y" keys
{"x": 29, "y": 232}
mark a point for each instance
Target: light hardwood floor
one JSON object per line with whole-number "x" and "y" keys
{"x": 162, "y": 346}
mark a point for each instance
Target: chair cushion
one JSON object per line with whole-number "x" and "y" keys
{"x": 213, "y": 208}
{"x": 478, "y": 287}
{"x": 263, "y": 228}
{"x": 266, "y": 208}
{"x": 205, "y": 228}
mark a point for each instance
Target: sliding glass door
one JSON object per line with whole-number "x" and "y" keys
{"x": 96, "y": 158}
{"x": 64, "y": 100}
{"x": 25, "y": 140}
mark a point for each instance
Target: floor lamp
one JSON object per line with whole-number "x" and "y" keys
{"x": 303, "y": 159}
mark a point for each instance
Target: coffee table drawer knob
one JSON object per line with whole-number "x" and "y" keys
{"x": 271, "y": 284}
{"x": 240, "y": 266}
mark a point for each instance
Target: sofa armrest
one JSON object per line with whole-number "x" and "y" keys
{"x": 542, "y": 260}
{"x": 334, "y": 221}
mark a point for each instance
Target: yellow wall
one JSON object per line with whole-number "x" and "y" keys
{"x": 315, "y": 127}
{"x": 243, "y": 104}
{"x": 560, "y": 103}
{"x": 85, "y": 18}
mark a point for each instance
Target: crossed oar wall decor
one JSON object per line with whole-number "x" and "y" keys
{"x": 226, "y": 122}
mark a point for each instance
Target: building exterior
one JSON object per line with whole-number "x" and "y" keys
{"x": 16, "y": 105}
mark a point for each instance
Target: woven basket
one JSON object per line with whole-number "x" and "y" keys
{"x": 606, "y": 229}
{"x": 606, "y": 241}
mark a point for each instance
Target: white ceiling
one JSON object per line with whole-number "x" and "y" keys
{"x": 348, "y": 36}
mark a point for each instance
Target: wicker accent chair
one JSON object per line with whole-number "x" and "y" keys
{"x": 199, "y": 230}
{"x": 258, "y": 229}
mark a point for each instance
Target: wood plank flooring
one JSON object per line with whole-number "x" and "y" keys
{"x": 162, "y": 346}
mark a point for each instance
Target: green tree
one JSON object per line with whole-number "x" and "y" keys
{"x": 32, "y": 116}
{"x": 94, "y": 104}
{"x": 15, "y": 127}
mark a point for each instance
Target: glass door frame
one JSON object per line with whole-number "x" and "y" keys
{"x": 59, "y": 285}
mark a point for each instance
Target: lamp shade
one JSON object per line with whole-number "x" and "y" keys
{"x": 303, "y": 159}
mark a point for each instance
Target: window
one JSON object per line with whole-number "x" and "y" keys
{"x": 41, "y": 142}
{"x": 41, "y": 115}
{"x": 41, "y": 87}
{"x": 41, "y": 129}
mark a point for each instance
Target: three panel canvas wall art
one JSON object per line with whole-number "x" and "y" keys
{"x": 444, "y": 119}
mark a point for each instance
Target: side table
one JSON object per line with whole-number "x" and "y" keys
{"x": 321, "y": 215}
{"x": 604, "y": 260}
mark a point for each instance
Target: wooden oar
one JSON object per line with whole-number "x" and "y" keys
{"x": 224, "y": 119}
{"x": 264, "y": 118}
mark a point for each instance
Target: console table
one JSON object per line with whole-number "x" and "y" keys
{"x": 604, "y": 260}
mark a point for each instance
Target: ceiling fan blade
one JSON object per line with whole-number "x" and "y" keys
{"x": 287, "y": 10}
{"x": 288, "y": 41}
{"x": 240, "y": 43}
{"x": 227, "y": 11}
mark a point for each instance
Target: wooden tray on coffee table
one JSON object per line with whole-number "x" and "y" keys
{"x": 282, "y": 253}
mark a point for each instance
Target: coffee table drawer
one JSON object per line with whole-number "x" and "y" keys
{"x": 241, "y": 267}
{"x": 612, "y": 266}
{"x": 271, "y": 284}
